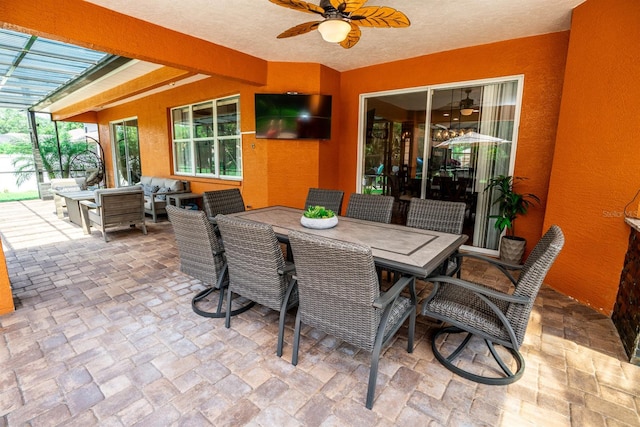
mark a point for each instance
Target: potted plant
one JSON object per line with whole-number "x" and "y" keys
{"x": 318, "y": 217}
{"x": 510, "y": 204}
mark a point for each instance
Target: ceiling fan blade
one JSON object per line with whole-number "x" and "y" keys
{"x": 300, "y": 5}
{"x": 352, "y": 38}
{"x": 374, "y": 16}
{"x": 350, "y": 5}
{"x": 299, "y": 29}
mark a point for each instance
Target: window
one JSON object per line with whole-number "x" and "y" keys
{"x": 206, "y": 139}
{"x": 410, "y": 149}
{"x": 126, "y": 152}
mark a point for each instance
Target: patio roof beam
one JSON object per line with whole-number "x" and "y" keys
{"x": 48, "y": 54}
{"x": 154, "y": 80}
{"x": 106, "y": 66}
{"x": 18, "y": 59}
{"x": 43, "y": 69}
{"x": 55, "y": 82}
{"x": 13, "y": 99}
{"x": 20, "y": 90}
{"x": 12, "y": 84}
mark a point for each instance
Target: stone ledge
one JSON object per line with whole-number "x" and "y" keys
{"x": 633, "y": 223}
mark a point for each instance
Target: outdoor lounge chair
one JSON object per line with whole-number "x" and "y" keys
{"x": 156, "y": 189}
{"x": 339, "y": 293}
{"x": 257, "y": 269}
{"x": 494, "y": 316}
{"x": 115, "y": 207}
{"x": 202, "y": 257}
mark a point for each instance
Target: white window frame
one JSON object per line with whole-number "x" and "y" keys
{"x": 215, "y": 138}
{"x": 114, "y": 146}
{"x": 362, "y": 116}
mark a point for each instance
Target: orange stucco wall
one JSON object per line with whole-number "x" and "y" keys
{"x": 275, "y": 172}
{"x": 596, "y": 167}
{"x": 540, "y": 59}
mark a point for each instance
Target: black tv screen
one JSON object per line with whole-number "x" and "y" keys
{"x": 293, "y": 116}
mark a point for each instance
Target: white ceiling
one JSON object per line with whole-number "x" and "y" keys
{"x": 251, "y": 26}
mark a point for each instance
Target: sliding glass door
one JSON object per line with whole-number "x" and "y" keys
{"x": 442, "y": 142}
{"x": 126, "y": 152}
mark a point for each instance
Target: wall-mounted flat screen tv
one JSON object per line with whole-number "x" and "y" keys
{"x": 293, "y": 116}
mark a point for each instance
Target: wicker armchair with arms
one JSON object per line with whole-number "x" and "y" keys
{"x": 257, "y": 269}
{"x": 494, "y": 316}
{"x": 114, "y": 207}
{"x": 442, "y": 216}
{"x": 202, "y": 257}
{"x": 339, "y": 293}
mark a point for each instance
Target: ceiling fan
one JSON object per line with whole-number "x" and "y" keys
{"x": 342, "y": 19}
{"x": 466, "y": 105}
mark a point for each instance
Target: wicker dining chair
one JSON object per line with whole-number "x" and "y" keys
{"x": 201, "y": 257}
{"x": 222, "y": 202}
{"x": 330, "y": 199}
{"x": 370, "y": 207}
{"x": 494, "y": 316}
{"x": 257, "y": 269}
{"x": 339, "y": 293}
{"x": 442, "y": 216}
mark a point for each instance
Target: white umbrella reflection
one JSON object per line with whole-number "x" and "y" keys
{"x": 472, "y": 138}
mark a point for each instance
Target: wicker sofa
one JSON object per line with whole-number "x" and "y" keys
{"x": 156, "y": 190}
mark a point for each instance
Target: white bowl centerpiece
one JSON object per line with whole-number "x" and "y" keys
{"x": 319, "y": 218}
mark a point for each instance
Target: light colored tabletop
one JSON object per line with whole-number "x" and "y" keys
{"x": 405, "y": 249}
{"x": 77, "y": 195}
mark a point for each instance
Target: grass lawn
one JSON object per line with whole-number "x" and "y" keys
{"x": 24, "y": 195}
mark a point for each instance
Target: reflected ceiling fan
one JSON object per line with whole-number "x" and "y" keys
{"x": 466, "y": 105}
{"x": 342, "y": 19}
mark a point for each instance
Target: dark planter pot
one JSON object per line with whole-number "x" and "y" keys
{"x": 512, "y": 249}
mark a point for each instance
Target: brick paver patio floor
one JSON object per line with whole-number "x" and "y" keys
{"x": 104, "y": 334}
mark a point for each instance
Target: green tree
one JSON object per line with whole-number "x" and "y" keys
{"x": 15, "y": 146}
{"x": 13, "y": 121}
{"x": 57, "y": 162}
{"x": 73, "y": 156}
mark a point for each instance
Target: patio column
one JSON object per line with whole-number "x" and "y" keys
{"x": 6, "y": 298}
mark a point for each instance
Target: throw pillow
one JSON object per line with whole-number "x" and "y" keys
{"x": 160, "y": 195}
{"x": 149, "y": 189}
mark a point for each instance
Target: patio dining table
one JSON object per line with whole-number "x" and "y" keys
{"x": 72, "y": 201}
{"x": 407, "y": 250}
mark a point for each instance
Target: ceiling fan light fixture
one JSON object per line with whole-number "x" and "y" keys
{"x": 334, "y": 30}
{"x": 466, "y": 105}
